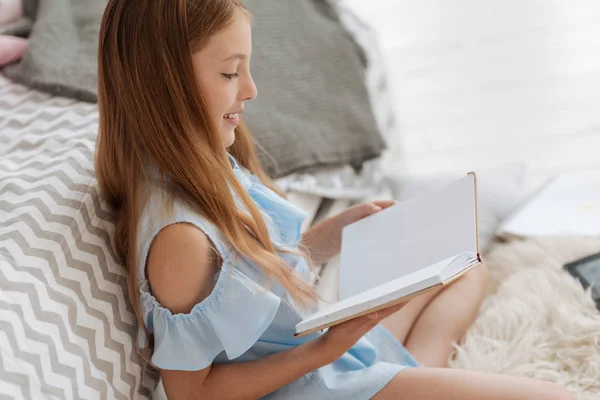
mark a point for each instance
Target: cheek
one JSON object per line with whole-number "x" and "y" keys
{"x": 219, "y": 95}
{"x": 222, "y": 101}
{"x": 213, "y": 93}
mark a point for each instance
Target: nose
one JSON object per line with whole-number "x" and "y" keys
{"x": 248, "y": 91}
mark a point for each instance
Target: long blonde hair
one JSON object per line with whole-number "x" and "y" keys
{"x": 152, "y": 111}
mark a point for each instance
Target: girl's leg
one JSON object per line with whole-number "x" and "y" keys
{"x": 429, "y": 324}
{"x": 448, "y": 384}
{"x": 401, "y": 323}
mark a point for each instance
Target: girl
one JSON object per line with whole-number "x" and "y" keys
{"x": 217, "y": 263}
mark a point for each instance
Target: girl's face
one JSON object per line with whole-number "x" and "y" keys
{"x": 223, "y": 70}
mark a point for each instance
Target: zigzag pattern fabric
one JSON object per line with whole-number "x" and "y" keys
{"x": 67, "y": 329}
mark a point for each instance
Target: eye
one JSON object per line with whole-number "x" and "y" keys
{"x": 231, "y": 76}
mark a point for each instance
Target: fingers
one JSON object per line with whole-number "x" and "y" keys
{"x": 384, "y": 203}
{"x": 367, "y": 208}
{"x": 373, "y": 315}
{"x": 363, "y": 210}
{"x": 386, "y": 312}
{"x": 360, "y": 326}
{"x": 376, "y": 206}
{"x": 368, "y": 321}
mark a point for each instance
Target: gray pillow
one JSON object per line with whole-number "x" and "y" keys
{"x": 62, "y": 53}
{"x": 344, "y": 182}
{"x": 313, "y": 109}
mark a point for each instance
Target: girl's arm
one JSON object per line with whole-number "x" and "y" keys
{"x": 248, "y": 380}
{"x": 324, "y": 240}
{"x": 181, "y": 268}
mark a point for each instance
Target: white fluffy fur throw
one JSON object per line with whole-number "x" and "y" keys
{"x": 537, "y": 321}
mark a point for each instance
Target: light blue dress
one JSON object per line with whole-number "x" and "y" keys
{"x": 241, "y": 321}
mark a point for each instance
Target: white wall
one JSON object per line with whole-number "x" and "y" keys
{"x": 479, "y": 83}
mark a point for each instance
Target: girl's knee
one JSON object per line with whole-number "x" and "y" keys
{"x": 477, "y": 280}
{"x": 562, "y": 393}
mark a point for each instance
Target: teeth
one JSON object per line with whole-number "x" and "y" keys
{"x": 231, "y": 116}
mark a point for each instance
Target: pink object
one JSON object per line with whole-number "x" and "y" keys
{"x": 10, "y": 10}
{"x": 11, "y": 49}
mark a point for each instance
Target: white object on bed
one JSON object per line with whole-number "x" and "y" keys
{"x": 566, "y": 205}
{"x": 500, "y": 190}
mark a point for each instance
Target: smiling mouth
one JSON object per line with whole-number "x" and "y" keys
{"x": 233, "y": 119}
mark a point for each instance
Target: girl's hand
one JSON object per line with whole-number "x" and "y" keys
{"x": 363, "y": 210}
{"x": 324, "y": 240}
{"x": 340, "y": 338}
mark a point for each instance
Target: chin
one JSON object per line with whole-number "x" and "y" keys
{"x": 229, "y": 138}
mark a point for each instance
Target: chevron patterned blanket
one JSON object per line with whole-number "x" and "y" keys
{"x": 66, "y": 327}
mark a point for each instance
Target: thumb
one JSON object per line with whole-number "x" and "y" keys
{"x": 360, "y": 211}
{"x": 385, "y": 203}
{"x": 373, "y": 315}
{"x": 373, "y": 208}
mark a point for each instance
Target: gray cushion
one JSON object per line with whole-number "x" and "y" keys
{"x": 21, "y": 27}
{"x": 313, "y": 109}
{"x": 62, "y": 53}
{"x": 344, "y": 182}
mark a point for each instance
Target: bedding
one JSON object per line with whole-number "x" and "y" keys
{"x": 66, "y": 326}
{"x": 321, "y": 118}
{"x": 47, "y": 71}
{"x": 537, "y": 320}
{"x": 63, "y": 46}
{"x": 346, "y": 182}
{"x": 20, "y": 28}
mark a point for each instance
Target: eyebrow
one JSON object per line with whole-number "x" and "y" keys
{"x": 239, "y": 56}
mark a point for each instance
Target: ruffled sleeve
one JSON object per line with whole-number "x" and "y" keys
{"x": 231, "y": 319}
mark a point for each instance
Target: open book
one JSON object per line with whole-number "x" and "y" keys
{"x": 402, "y": 251}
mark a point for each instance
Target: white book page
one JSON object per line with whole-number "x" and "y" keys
{"x": 383, "y": 294}
{"x": 408, "y": 236}
{"x": 567, "y": 205}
